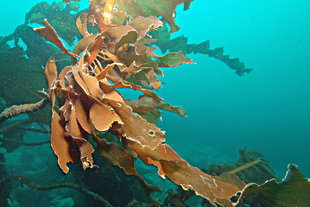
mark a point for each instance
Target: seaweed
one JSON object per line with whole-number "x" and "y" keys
{"x": 293, "y": 190}
{"x": 165, "y": 43}
{"x": 90, "y": 105}
{"x": 149, "y": 108}
{"x": 56, "y": 13}
{"x": 258, "y": 172}
{"x": 115, "y": 50}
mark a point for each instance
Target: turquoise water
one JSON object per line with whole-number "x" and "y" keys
{"x": 267, "y": 110}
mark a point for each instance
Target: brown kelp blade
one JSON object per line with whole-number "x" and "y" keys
{"x": 148, "y": 107}
{"x": 49, "y": 33}
{"x": 60, "y": 142}
{"x": 213, "y": 188}
{"x": 50, "y": 72}
{"x": 163, "y": 8}
{"x": 82, "y": 27}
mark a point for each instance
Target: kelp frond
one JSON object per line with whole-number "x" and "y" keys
{"x": 121, "y": 55}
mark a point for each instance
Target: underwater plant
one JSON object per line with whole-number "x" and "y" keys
{"x": 89, "y": 110}
{"x": 90, "y": 105}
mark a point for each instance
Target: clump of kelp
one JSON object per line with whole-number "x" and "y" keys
{"x": 115, "y": 51}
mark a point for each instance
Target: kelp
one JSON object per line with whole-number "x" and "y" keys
{"x": 148, "y": 108}
{"x": 165, "y": 43}
{"x": 257, "y": 172}
{"x": 21, "y": 62}
{"x": 28, "y": 44}
{"x": 135, "y": 8}
{"x": 91, "y": 107}
{"x": 49, "y": 33}
{"x": 90, "y": 104}
{"x": 24, "y": 108}
{"x": 21, "y": 78}
{"x": 293, "y": 190}
{"x": 57, "y": 13}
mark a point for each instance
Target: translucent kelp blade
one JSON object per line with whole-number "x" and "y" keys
{"x": 65, "y": 110}
{"x": 182, "y": 173}
{"x": 72, "y": 127}
{"x": 163, "y": 8}
{"x": 107, "y": 10}
{"x": 145, "y": 24}
{"x": 137, "y": 129}
{"x": 62, "y": 76}
{"x": 173, "y": 59}
{"x": 152, "y": 78}
{"x": 148, "y": 108}
{"x": 120, "y": 35}
{"x": 49, "y": 33}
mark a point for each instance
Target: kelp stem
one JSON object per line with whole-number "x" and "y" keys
{"x": 20, "y": 109}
